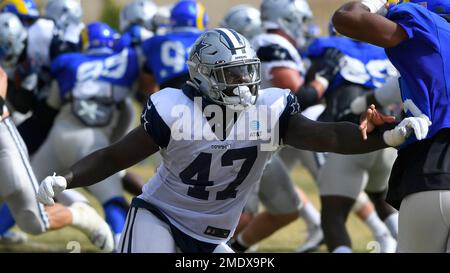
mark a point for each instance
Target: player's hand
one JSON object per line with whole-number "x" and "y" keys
{"x": 51, "y": 186}
{"x": 417, "y": 125}
{"x": 371, "y": 119}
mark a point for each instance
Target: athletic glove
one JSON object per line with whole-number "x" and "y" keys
{"x": 417, "y": 125}
{"x": 375, "y": 6}
{"x": 51, "y": 186}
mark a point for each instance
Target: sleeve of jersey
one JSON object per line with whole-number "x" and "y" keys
{"x": 292, "y": 108}
{"x": 414, "y": 19}
{"x": 154, "y": 125}
{"x": 316, "y": 49}
{"x": 277, "y": 55}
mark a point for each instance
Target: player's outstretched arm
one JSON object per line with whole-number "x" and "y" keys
{"x": 357, "y": 21}
{"x": 336, "y": 137}
{"x": 130, "y": 150}
{"x": 133, "y": 148}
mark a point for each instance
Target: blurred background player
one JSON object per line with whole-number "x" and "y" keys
{"x": 342, "y": 178}
{"x": 282, "y": 67}
{"x": 30, "y": 71}
{"x": 167, "y": 54}
{"x": 136, "y": 21}
{"x": 19, "y": 186}
{"x": 244, "y": 19}
{"x": 90, "y": 85}
{"x": 419, "y": 184}
{"x": 26, "y": 10}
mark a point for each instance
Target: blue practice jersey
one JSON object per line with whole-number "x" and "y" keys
{"x": 423, "y": 61}
{"x": 88, "y": 73}
{"x": 167, "y": 55}
{"x": 366, "y": 64}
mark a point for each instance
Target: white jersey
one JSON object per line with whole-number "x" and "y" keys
{"x": 276, "y": 51}
{"x": 202, "y": 185}
{"x": 40, "y": 37}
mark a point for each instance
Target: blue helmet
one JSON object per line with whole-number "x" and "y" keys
{"x": 26, "y": 10}
{"x": 188, "y": 13}
{"x": 441, "y": 7}
{"x": 98, "y": 35}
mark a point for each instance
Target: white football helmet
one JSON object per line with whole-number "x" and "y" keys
{"x": 161, "y": 20}
{"x": 244, "y": 19}
{"x": 224, "y": 68}
{"x": 64, "y": 13}
{"x": 290, "y": 16}
{"x": 140, "y": 12}
{"x": 13, "y": 36}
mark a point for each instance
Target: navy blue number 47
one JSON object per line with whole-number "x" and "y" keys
{"x": 201, "y": 167}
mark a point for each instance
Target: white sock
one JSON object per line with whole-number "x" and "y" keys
{"x": 311, "y": 216}
{"x": 375, "y": 224}
{"x": 392, "y": 224}
{"x": 342, "y": 249}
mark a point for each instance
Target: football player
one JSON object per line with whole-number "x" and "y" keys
{"x": 90, "y": 86}
{"x": 166, "y": 54}
{"x": 415, "y": 35}
{"x": 211, "y": 158}
{"x": 366, "y": 68}
{"x": 19, "y": 184}
{"x": 244, "y": 19}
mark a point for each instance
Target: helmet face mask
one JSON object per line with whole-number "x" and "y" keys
{"x": 224, "y": 74}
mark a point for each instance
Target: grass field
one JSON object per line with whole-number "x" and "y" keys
{"x": 285, "y": 240}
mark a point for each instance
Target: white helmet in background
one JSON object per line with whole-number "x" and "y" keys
{"x": 139, "y": 12}
{"x": 161, "y": 20}
{"x": 224, "y": 68}
{"x": 13, "y": 36}
{"x": 65, "y": 13}
{"x": 290, "y": 16}
{"x": 244, "y": 19}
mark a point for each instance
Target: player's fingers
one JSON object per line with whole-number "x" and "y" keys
{"x": 423, "y": 128}
{"x": 46, "y": 193}
{"x": 415, "y": 125}
{"x": 387, "y": 119}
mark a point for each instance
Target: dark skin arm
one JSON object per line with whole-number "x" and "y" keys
{"x": 130, "y": 150}
{"x": 337, "y": 137}
{"x": 355, "y": 21}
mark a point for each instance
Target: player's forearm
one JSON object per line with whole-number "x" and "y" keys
{"x": 335, "y": 137}
{"x": 347, "y": 139}
{"x": 92, "y": 169}
{"x": 355, "y": 20}
{"x": 130, "y": 150}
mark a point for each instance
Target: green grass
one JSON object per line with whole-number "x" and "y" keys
{"x": 285, "y": 240}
